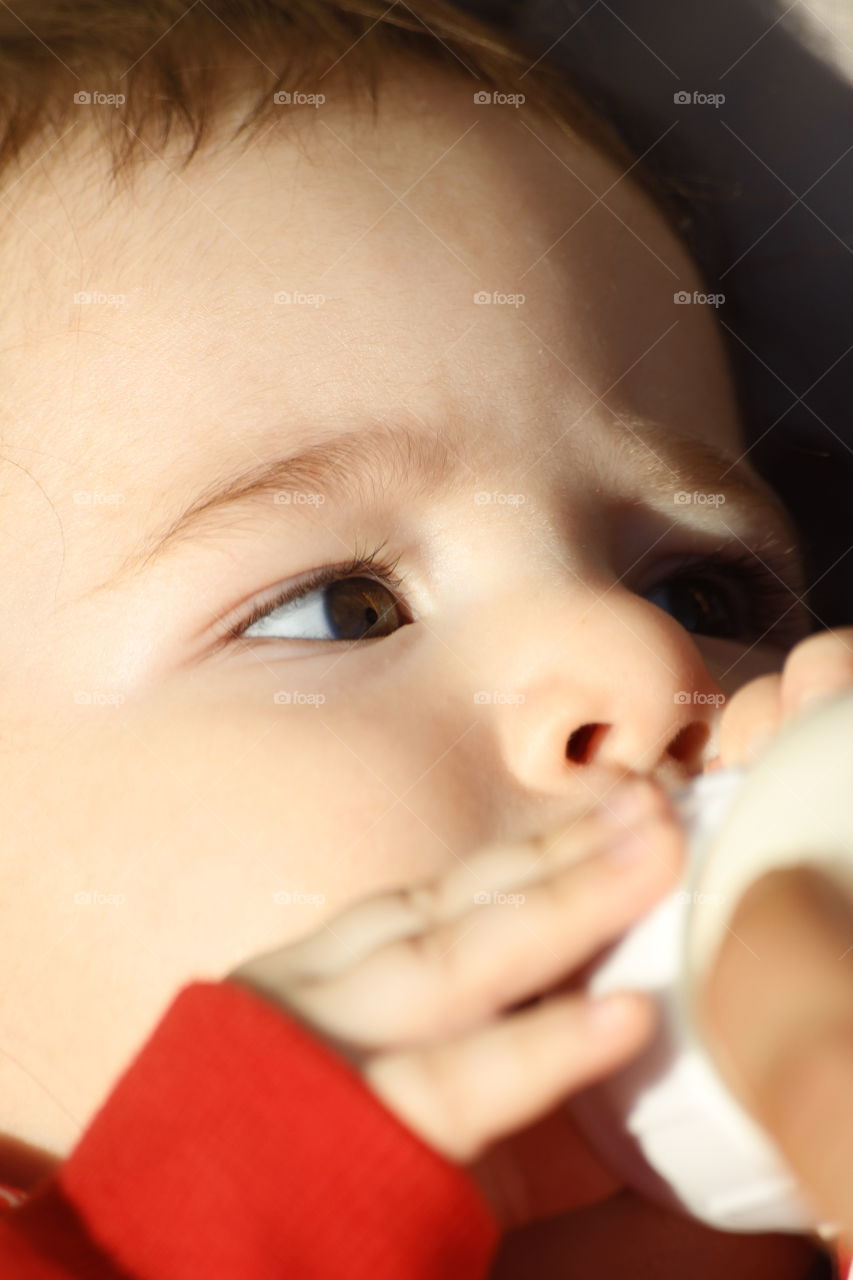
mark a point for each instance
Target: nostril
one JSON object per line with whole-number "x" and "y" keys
{"x": 581, "y": 742}
{"x": 687, "y": 745}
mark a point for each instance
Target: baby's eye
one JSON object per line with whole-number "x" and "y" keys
{"x": 344, "y": 608}
{"x": 737, "y": 599}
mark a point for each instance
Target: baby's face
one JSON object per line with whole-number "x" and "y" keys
{"x": 231, "y": 792}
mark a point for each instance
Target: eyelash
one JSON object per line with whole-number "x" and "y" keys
{"x": 771, "y": 595}
{"x": 363, "y": 564}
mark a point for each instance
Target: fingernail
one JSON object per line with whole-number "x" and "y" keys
{"x": 610, "y": 1013}
{"x": 814, "y": 697}
{"x": 629, "y": 801}
{"x": 632, "y": 844}
{"x": 757, "y": 744}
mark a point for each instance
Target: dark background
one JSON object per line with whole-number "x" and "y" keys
{"x": 767, "y": 186}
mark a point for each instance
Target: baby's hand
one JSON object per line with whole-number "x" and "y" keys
{"x": 788, "y": 954}
{"x": 415, "y": 988}
{"x": 817, "y": 667}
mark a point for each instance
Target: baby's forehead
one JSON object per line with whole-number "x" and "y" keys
{"x": 433, "y": 181}
{"x": 448, "y": 268}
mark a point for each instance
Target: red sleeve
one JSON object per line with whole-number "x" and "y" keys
{"x": 238, "y": 1145}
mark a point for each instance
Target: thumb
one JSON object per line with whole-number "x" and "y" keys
{"x": 777, "y": 1010}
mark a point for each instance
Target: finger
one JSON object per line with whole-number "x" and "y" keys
{"x": 750, "y": 719}
{"x": 509, "y": 947}
{"x": 790, "y": 955}
{"x": 511, "y": 866}
{"x": 818, "y": 667}
{"x": 462, "y": 1095}
{"x": 367, "y": 926}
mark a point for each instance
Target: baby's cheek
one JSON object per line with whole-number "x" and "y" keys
{"x": 161, "y": 841}
{"x": 230, "y": 828}
{"x": 167, "y": 841}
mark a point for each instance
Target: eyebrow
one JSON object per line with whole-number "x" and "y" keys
{"x": 668, "y": 455}
{"x": 348, "y": 464}
{"x": 344, "y": 465}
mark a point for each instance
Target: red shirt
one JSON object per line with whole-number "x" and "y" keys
{"x": 237, "y": 1145}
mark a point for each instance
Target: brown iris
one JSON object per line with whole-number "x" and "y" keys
{"x": 360, "y": 608}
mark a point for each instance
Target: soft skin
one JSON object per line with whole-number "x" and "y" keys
{"x": 147, "y": 759}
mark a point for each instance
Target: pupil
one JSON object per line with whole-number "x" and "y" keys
{"x": 697, "y": 605}
{"x": 355, "y": 609}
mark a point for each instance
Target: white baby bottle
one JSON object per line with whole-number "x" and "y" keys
{"x": 667, "y": 1122}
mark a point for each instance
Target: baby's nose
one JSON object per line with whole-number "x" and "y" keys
{"x": 553, "y": 741}
{"x": 684, "y": 754}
